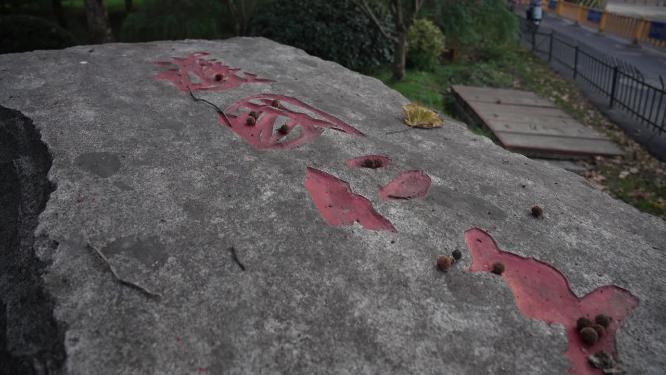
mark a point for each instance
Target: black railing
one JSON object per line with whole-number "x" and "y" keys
{"x": 623, "y": 85}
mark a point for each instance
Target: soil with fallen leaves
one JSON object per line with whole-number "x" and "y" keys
{"x": 637, "y": 178}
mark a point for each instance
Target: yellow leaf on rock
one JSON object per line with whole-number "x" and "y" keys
{"x": 419, "y": 116}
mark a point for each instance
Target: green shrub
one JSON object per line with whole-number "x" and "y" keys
{"x": 332, "y": 30}
{"x": 425, "y": 43}
{"x": 174, "y": 19}
{"x": 19, "y": 33}
{"x": 482, "y": 28}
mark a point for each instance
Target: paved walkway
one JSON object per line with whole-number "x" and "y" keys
{"x": 649, "y": 60}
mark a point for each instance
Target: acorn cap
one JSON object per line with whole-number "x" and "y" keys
{"x": 589, "y": 336}
{"x": 456, "y": 254}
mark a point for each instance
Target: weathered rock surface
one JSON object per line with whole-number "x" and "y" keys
{"x": 152, "y": 190}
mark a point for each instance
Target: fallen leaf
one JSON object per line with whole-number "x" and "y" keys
{"x": 419, "y": 116}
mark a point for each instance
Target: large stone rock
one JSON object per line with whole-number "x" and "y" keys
{"x": 153, "y": 190}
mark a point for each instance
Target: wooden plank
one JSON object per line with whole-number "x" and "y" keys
{"x": 507, "y": 96}
{"x": 558, "y": 145}
{"x": 522, "y": 124}
{"x": 502, "y": 96}
{"x": 497, "y": 110}
{"x": 546, "y": 126}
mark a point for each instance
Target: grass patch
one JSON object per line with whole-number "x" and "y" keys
{"x": 421, "y": 87}
{"x": 428, "y": 88}
{"x": 638, "y": 179}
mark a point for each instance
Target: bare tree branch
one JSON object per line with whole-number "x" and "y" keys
{"x": 365, "y": 8}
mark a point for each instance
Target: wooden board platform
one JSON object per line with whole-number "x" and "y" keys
{"x": 524, "y": 122}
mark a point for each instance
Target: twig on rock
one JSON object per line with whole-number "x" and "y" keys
{"x": 234, "y": 256}
{"x": 217, "y": 109}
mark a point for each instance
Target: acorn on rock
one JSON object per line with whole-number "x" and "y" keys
{"x": 284, "y": 129}
{"x": 583, "y": 322}
{"x": 444, "y": 262}
{"x": 498, "y": 268}
{"x": 589, "y": 336}
{"x": 536, "y": 212}
{"x": 599, "y": 329}
{"x": 603, "y": 320}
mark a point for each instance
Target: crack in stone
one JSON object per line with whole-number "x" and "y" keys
{"x": 120, "y": 279}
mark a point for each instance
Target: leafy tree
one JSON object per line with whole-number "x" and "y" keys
{"x": 426, "y": 44}
{"x": 19, "y": 33}
{"x": 59, "y": 12}
{"x": 174, "y": 19}
{"x": 402, "y": 15}
{"x": 332, "y": 30}
{"x": 481, "y": 27}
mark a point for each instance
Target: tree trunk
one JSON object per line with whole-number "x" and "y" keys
{"x": 241, "y": 12}
{"x": 59, "y": 13}
{"x": 98, "y": 21}
{"x": 400, "y": 56}
{"x": 128, "y": 6}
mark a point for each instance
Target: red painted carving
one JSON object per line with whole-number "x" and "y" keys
{"x": 301, "y": 122}
{"x": 369, "y": 161}
{"x": 339, "y": 206}
{"x": 542, "y": 292}
{"x": 198, "y": 73}
{"x": 407, "y": 185}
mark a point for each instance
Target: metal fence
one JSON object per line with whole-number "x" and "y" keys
{"x": 623, "y": 85}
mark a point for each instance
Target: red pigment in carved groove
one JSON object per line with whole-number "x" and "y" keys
{"x": 360, "y": 162}
{"x": 542, "y": 292}
{"x": 407, "y": 185}
{"x": 339, "y": 206}
{"x": 208, "y": 73}
{"x": 302, "y": 127}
